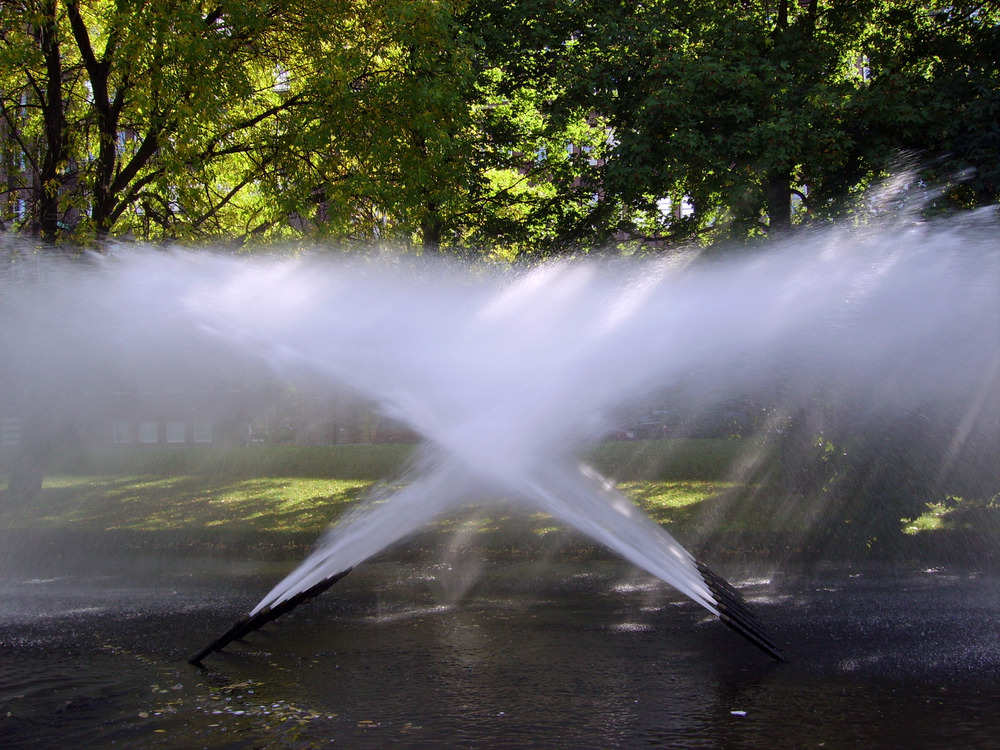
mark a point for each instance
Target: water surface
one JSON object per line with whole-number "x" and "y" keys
{"x": 584, "y": 654}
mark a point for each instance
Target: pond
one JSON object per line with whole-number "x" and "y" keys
{"x": 533, "y": 654}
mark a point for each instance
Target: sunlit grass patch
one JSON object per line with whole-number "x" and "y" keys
{"x": 107, "y": 503}
{"x": 664, "y": 495}
{"x": 673, "y": 501}
{"x": 280, "y": 501}
{"x": 281, "y": 504}
{"x": 930, "y": 520}
{"x": 955, "y": 513}
{"x": 665, "y": 501}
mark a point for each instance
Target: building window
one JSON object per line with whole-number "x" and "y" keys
{"x": 175, "y": 432}
{"x": 121, "y": 432}
{"x": 670, "y": 210}
{"x": 149, "y": 432}
{"x": 203, "y": 432}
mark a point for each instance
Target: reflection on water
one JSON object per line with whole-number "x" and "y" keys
{"x": 583, "y": 655}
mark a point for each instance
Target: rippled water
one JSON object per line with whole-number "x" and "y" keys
{"x": 561, "y": 654}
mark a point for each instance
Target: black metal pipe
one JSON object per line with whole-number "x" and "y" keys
{"x": 249, "y": 623}
{"x": 736, "y": 613}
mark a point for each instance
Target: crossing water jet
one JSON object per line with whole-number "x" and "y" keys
{"x": 509, "y": 375}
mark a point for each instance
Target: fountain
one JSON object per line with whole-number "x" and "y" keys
{"x": 509, "y": 375}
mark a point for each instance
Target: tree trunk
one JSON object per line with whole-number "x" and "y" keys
{"x": 108, "y": 112}
{"x": 431, "y": 229}
{"x": 50, "y": 177}
{"x": 778, "y": 194}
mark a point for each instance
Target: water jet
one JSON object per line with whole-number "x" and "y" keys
{"x": 509, "y": 375}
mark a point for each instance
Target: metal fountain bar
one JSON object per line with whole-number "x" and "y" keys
{"x": 249, "y": 623}
{"x": 734, "y": 612}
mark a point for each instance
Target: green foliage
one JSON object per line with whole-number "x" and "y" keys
{"x": 956, "y": 514}
{"x": 762, "y": 115}
{"x": 504, "y": 127}
{"x": 233, "y": 120}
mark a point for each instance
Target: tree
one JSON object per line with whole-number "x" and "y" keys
{"x": 541, "y": 145}
{"x": 142, "y": 107}
{"x": 739, "y": 108}
{"x": 126, "y": 93}
{"x": 935, "y": 90}
{"x": 759, "y": 115}
{"x": 380, "y": 150}
{"x": 244, "y": 121}
{"x": 189, "y": 119}
{"x": 534, "y": 125}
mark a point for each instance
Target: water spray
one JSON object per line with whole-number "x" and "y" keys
{"x": 509, "y": 376}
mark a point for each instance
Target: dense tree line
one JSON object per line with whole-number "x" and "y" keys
{"x": 503, "y": 126}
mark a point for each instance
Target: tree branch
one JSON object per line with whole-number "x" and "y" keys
{"x": 96, "y": 70}
{"x": 148, "y": 147}
{"x": 15, "y": 135}
{"x": 224, "y": 201}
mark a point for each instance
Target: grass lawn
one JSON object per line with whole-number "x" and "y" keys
{"x": 293, "y": 505}
{"x": 225, "y": 496}
{"x": 146, "y": 503}
{"x": 283, "y": 499}
{"x": 302, "y": 489}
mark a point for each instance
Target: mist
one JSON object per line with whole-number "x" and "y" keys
{"x": 510, "y": 374}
